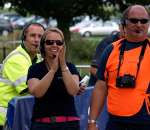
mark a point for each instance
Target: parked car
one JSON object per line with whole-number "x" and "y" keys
{"x": 76, "y": 28}
{"x": 5, "y": 27}
{"x": 22, "y": 21}
{"x": 10, "y": 16}
{"x": 85, "y": 22}
{"x": 99, "y": 28}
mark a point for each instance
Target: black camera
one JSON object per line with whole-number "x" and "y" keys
{"x": 126, "y": 81}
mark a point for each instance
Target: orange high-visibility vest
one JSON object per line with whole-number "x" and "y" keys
{"x": 127, "y": 101}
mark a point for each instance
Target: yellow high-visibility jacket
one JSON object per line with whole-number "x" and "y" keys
{"x": 13, "y": 80}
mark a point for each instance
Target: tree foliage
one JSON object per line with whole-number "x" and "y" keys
{"x": 1, "y": 3}
{"x": 62, "y": 10}
{"x": 55, "y": 8}
{"x": 65, "y": 10}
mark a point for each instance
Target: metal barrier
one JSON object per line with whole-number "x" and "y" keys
{"x": 5, "y": 50}
{"x": 83, "y": 68}
{"x": 6, "y": 47}
{"x": 20, "y": 111}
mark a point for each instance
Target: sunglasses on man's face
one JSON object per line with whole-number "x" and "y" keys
{"x": 135, "y": 20}
{"x": 51, "y": 42}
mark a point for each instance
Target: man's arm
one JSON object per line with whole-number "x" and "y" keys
{"x": 97, "y": 103}
{"x": 16, "y": 71}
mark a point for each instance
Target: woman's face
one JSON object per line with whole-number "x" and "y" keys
{"x": 53, "y": 44}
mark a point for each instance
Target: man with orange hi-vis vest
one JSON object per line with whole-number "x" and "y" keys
{"x": 124, "y": 76}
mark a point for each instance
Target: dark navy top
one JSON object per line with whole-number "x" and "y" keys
{"x": 141, "y": 116}
{"x": 99, "y": 49}
{"x": 56, "y": 101}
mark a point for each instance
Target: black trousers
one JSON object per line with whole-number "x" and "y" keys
{"x": 114, "y": 125}
{"x": 72, "y": 125}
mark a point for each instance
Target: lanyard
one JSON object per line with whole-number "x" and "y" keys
{"x": 121, "y": 56}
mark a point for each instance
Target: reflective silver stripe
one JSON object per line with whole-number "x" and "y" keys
{"x": 3, "y": 110}
{"x": 14, "y": 84}
{"x": 8, "y": 82}
{"x": 20, "y": 80}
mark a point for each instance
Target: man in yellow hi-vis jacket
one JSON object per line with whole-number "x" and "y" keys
{"x": 15, "y": 67}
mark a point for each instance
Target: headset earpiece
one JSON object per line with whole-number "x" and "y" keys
{"x": 42, "y": 46}
{"x": 23, "y": 36}
{"x": 123, "y": 22}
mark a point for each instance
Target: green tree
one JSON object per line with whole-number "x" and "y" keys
{"x": 65, "y": 10}
{"x": 1, "y": 3}
{"x": 122, "y": 4}
{"x": 62, "y": 10}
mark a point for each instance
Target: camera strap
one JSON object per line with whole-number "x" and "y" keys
{"x": 122, "y": 49}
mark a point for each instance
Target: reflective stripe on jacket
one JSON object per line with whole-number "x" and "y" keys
{"x": 127, "y": 101}
{"x": 14, "y": 73}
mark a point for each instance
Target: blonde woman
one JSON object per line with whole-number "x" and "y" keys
{"x": 54, "y": 82}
